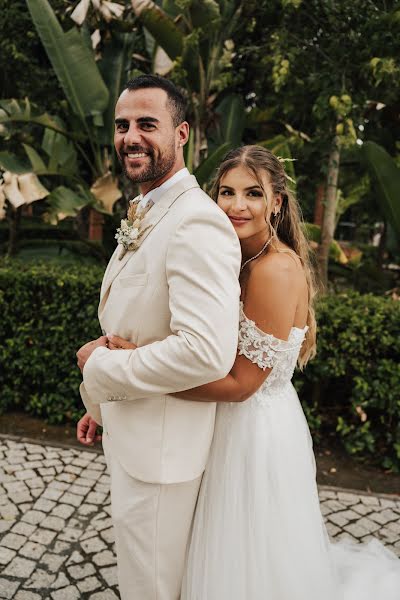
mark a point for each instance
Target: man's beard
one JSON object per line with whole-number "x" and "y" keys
{"x": 154, "y": 170}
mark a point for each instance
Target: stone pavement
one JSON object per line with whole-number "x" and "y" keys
{"x": 56, "y": 537}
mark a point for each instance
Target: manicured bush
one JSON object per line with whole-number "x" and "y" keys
{"x": 47, "y": 313}
{"x": 352, "y": 386}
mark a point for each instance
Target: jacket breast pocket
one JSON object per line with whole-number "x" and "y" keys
{"x": 134, "y": 280}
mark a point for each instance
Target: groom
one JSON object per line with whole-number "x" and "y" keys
{"x": 175, "y": 295}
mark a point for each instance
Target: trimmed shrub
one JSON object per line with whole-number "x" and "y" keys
{"x": 47, "y": 313}
{"x": 351, "y": 387}
{"x": 353, "y": 384}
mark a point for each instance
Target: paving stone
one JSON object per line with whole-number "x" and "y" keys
{"x": 108, "y": 535}
{"x": 81, "y": 571}
{"x": 61, "y": 582}
{"x": 53, "y": 494}
{"x": 362, "y": 509}
{"x": 73, "y": 499}
{"x": 109, "y": 575}
{"x": 369, "y": 500}
{"x": 106, "y": 595}
{"x": 68, "y": 593}
{"x": 32, "y": 550}
{"x": 384, "y": 516}
{"x": 52, "y": 562}
{"x": 63, "y": 510}
{"x": 34, "y": 517}
{"x": 44, "y": 504}
{"x": 14, "y": 541}
{"x": 89, "y": 585}
{"x": 87, "y": 509}
{"x": 54, "y": 523}
{"x": 43, "y": 536}
{"x": 24, "y": 595}
{"x": 23, "y": 528}
{"x": 8, "y": 588}
{"x": 105, "y": 558}
{"x": 20, "y": 567}
{"x": 332, "y": 529}
{"x": 76, "y": 557}
{"x": 93, "y": 545}
{"x": 6, "y": 554}
{"x": 25, "y": 474}
{"x": 70, "y": 535}
{"x": 40, "y": 580}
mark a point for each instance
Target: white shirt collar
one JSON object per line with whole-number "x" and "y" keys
{"x": 159, "y": 191}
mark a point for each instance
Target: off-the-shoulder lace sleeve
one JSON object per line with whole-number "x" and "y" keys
{"x": 261, "y": 348}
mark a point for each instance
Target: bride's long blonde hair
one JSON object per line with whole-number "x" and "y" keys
{"x": 287, "y": 226}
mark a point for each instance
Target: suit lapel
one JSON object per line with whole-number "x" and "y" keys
{"x": 151, "y": 220}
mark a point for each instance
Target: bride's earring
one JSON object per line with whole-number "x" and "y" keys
{"x": 276, "y": 211}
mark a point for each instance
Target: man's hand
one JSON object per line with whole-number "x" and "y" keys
{"x": 83, "y": 353}
{"x": 118, "y": 343}
{"x": 86, "y": 431}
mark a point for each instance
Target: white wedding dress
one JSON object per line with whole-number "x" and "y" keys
{"x": 258, "y": 531}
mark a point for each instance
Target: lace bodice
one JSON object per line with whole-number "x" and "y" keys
{"x": 269, "y": 352}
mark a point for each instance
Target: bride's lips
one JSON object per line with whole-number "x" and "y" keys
{"x": 238, "y": 220}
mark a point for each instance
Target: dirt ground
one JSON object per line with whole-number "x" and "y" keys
{"x": 334, "y": 466}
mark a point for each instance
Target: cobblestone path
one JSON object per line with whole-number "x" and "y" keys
{"x": 56, "y": 537}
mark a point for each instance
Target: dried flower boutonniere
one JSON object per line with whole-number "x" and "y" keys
{"x": 130, "y": 233}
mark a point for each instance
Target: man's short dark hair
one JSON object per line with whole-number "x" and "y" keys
{"x": 176, "y": 99}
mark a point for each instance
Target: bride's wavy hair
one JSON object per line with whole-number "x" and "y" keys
{"x": 287, "y": 226}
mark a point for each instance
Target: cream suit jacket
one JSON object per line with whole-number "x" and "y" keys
{"x": 177, "y": 298}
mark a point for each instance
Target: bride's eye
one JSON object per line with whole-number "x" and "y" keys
{"x": 255, "y": 194}
{"x": 225, "y": 193}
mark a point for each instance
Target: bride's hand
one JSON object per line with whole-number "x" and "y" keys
{"x": 117, "y": 343}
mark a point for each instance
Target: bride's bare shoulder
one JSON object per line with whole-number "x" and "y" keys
{"x": 283, "y": 266}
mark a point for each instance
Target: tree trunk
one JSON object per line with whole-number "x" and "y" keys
{"x": 14, "y": 218}
{"x": 96, "y": 221}
{"x": 329, "y": 219}
{"x": 319, "y": 205}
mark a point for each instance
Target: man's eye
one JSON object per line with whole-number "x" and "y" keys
{"x": 122, "y": 127}
{"x": 148, "y": 126}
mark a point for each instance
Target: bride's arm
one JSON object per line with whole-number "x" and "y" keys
{"x": 271, "y": 301}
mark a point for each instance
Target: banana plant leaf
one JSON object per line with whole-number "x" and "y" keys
{"x": 206, "y": 171}
{"x": 114, "y": 67}
{"x": 232, "y": 117}
{"x": 21, "y": 111}
{"x": 60, "y": 151}
{"x": 64, "y": 202}
{"x": 386, "y": 177}
{"x": 161, "y": 26}
{"x": 72, "y": 61}
{"x": 12, "y": 163}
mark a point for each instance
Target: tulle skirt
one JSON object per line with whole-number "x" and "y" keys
{"x": 258, "y": 532}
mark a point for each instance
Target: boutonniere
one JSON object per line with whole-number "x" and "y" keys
{"x": 131, "y": 231}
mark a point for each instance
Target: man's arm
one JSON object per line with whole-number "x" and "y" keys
{"x": 202, "y": 269}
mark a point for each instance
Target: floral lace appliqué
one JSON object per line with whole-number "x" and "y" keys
{"x": 267, "y": 351}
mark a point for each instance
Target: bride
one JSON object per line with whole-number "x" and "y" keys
{"x": 258, "y": 532}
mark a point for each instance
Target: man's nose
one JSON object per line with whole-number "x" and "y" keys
{"x": 132, "y": 136}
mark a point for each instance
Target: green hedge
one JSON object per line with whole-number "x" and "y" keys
{"x": 352, "y": 386}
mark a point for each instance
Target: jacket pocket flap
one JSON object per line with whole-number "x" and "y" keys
{"x": 134, "y": 280}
